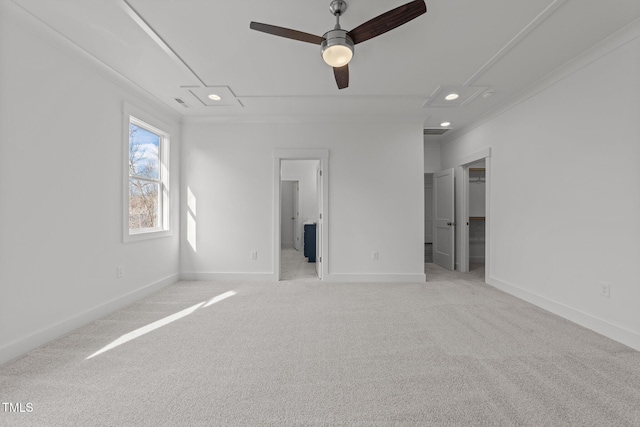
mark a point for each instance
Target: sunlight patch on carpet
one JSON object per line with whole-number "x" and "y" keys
{"x": 219, "y": 298}
{"x": 160, "y": 323}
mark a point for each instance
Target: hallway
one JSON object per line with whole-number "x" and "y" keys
{"x": 294, "y": 266}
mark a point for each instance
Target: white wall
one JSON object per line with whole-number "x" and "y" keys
{"x": 61, "y": 166}
{"x": 432, "y": 156}
{"x": 564, "y": 198}
{"x": 303, "y": 171}
{"x": 375, "y": 197}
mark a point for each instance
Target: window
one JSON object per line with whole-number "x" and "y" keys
{"x": 148, "y": 180}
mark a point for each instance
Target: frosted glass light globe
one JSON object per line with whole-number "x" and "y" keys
{"x": 337, "y": 55}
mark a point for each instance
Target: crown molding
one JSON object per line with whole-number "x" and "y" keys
{"x": 598, "y": 51}
{"x": 14, "y": 12}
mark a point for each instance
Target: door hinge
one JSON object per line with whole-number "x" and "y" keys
{"x": 319, "y": 259}
{"x": 320, "y": 173}
{"x": 321, "y": 216}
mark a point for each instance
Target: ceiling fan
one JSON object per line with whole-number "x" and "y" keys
{"x": 338, "y": 44}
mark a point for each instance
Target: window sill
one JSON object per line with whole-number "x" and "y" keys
{"x": 146, "y": 235}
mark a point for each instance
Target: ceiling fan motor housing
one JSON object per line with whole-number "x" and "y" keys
{"x": 337, "y": 44}
{"x": 338, "y": 7}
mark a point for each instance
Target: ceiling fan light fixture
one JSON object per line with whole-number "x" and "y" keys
{"x": 337, "y": 55}
{"x": 337, "y": 48}
{"x": 338, "y": 44}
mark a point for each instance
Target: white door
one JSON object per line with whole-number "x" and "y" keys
{"x": 297, "y": 229}
{"x": 319, "y": 221}
{"x": 444, "y": 214}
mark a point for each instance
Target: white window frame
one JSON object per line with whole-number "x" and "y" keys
{"x": 133, "y": 115}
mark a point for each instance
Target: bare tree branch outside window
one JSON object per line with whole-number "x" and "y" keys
{"x": 144, "y": 178}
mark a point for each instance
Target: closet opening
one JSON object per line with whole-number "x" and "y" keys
{"x": 476, "y": 218}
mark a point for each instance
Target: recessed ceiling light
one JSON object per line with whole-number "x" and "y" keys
{"x": 214, "y": 97}
{"x": 488, "y": 94}
{"x": 445, "y": 124}
{"x": 452, "y": 96}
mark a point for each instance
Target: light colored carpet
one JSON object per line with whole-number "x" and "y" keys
{"x": 449, "y": 352}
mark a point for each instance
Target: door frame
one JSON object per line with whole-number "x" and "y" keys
{"x": 462, "y": 214}
{"x": 297, "y": 227}
{"x": 322, "y": 155}
{"x": 319, "y": 224}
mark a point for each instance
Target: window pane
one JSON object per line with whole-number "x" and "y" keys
{"x": 143, "y": 204}
{"x": 144, "y": 149}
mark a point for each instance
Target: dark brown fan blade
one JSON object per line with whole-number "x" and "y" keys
{"x": 342, "y": 76}
{"x": 285, "y": 32}
{"x": 388, "y": 21}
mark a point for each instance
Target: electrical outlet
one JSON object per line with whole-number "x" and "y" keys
{"x": 375, "y": 256}
{"x": 254, "y": 254}
{"x": 119, "y": 272}
{"x": 605, "y": 289}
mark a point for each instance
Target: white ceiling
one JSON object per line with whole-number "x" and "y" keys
{"x": 179, "y": 48}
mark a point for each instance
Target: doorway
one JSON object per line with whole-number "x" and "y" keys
{"x": 298, "y": 219}
{"x": 474, "y": 241}
{"x": 476, "y": 202}
{"x": 301, "y": 175}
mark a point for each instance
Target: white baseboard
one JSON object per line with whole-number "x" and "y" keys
{"x": 603, "y": 327}
{"x": 375, "y": 278}
{"x": 19, "y": 347}
{"x": 204, "y": 276}
{"x": 333, "y": 278}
